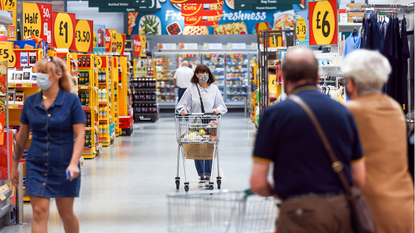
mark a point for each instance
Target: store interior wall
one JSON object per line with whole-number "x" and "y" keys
{"x": 111, "y": 20}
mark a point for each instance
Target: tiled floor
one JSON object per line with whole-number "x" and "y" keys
{"x": 125, "y": 188}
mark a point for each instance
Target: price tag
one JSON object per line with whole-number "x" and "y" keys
{"x": 323, "y": 18}
{"x": 83, "y": 37}
{"x": 63, "y": 30}
{"x": 120, "y": 42}
{"x": 13, "y": 106}
{"x": 99, "y": 62}
{"x": 12, "y": 84}
{"x": 301, "y": 29}
{"x": 26, "y": 85}
{"x": 6, "y": 51}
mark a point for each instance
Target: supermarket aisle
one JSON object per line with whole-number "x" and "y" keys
{"x": 124, "y": 189}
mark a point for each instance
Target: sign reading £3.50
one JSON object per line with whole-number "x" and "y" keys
{"x": 323, "y": 20}
{"x": 84, "y": 35}
{"x": 37, "y": 21}
{"x": 64, "y": 30}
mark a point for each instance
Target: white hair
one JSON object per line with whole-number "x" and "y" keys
{"x": 368, "y": 69}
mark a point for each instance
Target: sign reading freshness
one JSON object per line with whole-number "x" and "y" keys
{"x": 84, "y": 35}
{"x": 37, "y": 21}
{"x": 323, "y": 20}
{"x": 64, "y": 30}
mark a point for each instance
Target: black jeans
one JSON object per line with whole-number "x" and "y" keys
{"x": 181, "y": 92}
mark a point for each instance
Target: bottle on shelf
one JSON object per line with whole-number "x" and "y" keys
{"x": 104, "y": 95}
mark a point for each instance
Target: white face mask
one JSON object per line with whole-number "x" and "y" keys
{"x": 43, "y": 81}
{"x": 204, "y": 78}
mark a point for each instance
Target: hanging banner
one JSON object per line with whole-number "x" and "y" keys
{"x": 139, "y": 46}
{"x": 84, "y": 35}
{"x": 120, "y": 42}
{"x": 323, "y": 20}
{"x": 201, "y": 20}
{"x": 132, "y": 19}
{"x": 193, "y": 9}
{"x": 37, "y": 21}
{"x": 11, "y": 7}
{"x": 63, "y": 30}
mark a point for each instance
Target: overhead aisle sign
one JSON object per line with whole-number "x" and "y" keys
{"x": 124, "y": 5}
{"x": 323, "y": 20}
{"x": 37, "y": 21}
{"x": 265, "y": 5}
{"x": 84, "y": 35}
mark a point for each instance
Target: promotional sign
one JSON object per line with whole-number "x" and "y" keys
{"x": 132, "y": 19}
{"x": 120, "y": 43}
{"x": 201, "y": 20}
{"x": 139, "y": 46}
{"x": 64, "y": 30}
{"x": 166, "y": 46}
{"x": 37, "y": 21}
{"x": 212, "y": 46}
{"x": 236, "y": 46}
{"x": 125, "y": 5}
{"x": 188, "y": 46}
{"x": 323, "y": 20}
{"x": 192, "y": 9}
{"x": 84, "y": 35}
{"x": 108, "y": 38}
{"x": 6, "y": 50}
{"x": 99, "y": 36}
{"x": 265, "y": 5}
{"x": 302, "y": 28}
{"x": 11, "y": 7}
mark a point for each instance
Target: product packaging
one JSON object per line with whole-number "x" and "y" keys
{"x": 11, "y": 74}
{"x": 18, "y": 76}
{"x": 24, "y": 59}
{"x": 27, "y": 75}
{"x": 353, "y": 7}
{"x": 32, "y": 59}
{"x": 19, "y": 97}
{"x": 21, "y": 44}
{"x": 34, "y": 78}
{"x": 352, "y": 16}
{"x": 12, "y": 95}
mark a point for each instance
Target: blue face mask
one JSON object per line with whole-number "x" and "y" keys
{"x": 43, "y": 81}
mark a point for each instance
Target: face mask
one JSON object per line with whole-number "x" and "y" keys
{"x": 204, "y": 78}
{"x": 43, "y": 81}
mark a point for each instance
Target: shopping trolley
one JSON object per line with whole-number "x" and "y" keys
{"x": 197, "y": 138}
{"x": 221, "y": 211}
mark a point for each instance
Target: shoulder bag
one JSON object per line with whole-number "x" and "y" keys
{"x": 200, "y": 97}
{"x": 361, "y": 215}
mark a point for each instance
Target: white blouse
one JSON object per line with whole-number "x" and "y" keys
{"x": 211, "y": 97}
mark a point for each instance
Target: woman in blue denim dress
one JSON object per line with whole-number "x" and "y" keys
{"x": 56, "y": 119}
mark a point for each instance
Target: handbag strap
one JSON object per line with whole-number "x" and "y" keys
{"x": 336, "y": 165}
{"x": 200, "y": 97}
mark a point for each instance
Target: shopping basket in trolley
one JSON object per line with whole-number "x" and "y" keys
{"x": 197, "y": 137}
{"x": 221, "y": 211}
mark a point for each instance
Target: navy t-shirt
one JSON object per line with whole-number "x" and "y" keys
{"x": 287, "y": 137}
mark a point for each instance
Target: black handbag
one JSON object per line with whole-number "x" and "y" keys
{"x": 362, "y": 217}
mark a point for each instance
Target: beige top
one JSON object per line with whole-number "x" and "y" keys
{"x": 388, "y": 188}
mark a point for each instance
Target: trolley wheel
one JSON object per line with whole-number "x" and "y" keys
{"x": 186, "y": 187}
{"x": 219, "y": 182}
{"x": 177, "y": 184}
{"x": 211, "y": 187}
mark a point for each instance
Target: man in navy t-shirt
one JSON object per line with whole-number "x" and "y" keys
{"x": 313, "y": 197}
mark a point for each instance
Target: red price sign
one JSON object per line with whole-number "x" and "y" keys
{"x": 201, "y": 20}
{"x": 194, "y": 9}
{"x": 37, "y": 21}
{"x": 323, "y": 22}
{"x": 64, "y": 30}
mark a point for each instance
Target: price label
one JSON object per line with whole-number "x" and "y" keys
{"x": 26, "y": 85}
{"x": 12, "y": 84}
{"x": 99, "y": 62}
{"x": 95, "y": 40}
{"x": 12, "y": 106}
{"x": 301, "y": 29}
{"x": 323, "y": 17}
{"x": 6, "y": 51}
{"x": 83, "y": 37}
{"x": 63, "y": 30}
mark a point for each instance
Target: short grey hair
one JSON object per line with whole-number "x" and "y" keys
{"x": 368, "y": 69}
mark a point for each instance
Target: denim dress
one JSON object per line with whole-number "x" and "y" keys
{"x": 52, "y": 144}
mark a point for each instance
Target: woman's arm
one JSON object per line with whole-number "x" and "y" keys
{"x": 219, "y": 105}
{"x": 185, "y": 103}
{"x": 21, "y": 141}
{"x": 79, "y": 133}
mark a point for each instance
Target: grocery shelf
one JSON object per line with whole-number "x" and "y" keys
{"x": 237, "y": 85}
{"x": 214, "y": 63}
{"x": 238, "y": 93}
{"x": 236, "y": 63}
{"x": 237, "y": 71}
{"x": 22, "y": 85}
{"x": 144, "y": 89}
{"x": 84, "y": 87}
{"x": 86, "y": 108}
{"x": 102, "y": 103}
{"x": 15, "y": 106}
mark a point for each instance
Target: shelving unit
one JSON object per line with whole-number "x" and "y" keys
{"x": 123, "y": 86}
{"x": 103, "y": 99}
{"x": 166, "y": 66}
{"x": 114, "y": 119}
{"x": 237, "y": 77}
{"x": 216, "y": 63}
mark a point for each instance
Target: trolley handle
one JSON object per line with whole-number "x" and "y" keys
{"x": 198, "y": 114}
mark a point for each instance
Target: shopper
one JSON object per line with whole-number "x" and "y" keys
{"x": 202, "y": 97}
{"x": 313, "y": 199}
{"x": 382, "y": 128}
{"x": 182, "y": 78}
{"x": 56, "y": 119}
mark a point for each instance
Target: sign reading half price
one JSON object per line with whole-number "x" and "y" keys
{"x": 84, "y": 35}
{"x": 37, "y": 21}
{"x": 64, "y": 30}
{"x": 323, "y": 22}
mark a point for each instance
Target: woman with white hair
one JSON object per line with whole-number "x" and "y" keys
{"x": 382, "y": 128}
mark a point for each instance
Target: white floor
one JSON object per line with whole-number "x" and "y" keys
{"x": 124, "y": 189}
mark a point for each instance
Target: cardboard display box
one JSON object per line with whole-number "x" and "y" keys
{"x": 352, "y": 16}
{"x": 359, "y": 7}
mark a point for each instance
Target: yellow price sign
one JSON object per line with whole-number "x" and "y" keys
{"x": 6, "y": 51}
{"x": 301, "y": 29}
{"x": 63, "y": 30}
{"x": 99, "y": 62}
{"x": 323, "y": 18}
{"x": 120, "y": 42}
{"x": 83, "y": 36}
{"x": 12, "y": 60}
{"x": 95, "y": 40}
{"x": 26, "y": 85}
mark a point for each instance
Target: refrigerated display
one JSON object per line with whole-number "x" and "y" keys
{"x": 216, "y": 64}
{"x": 237, "y": 77}
{"x": 166, "y": 65}
{"x": 192, "y": 58}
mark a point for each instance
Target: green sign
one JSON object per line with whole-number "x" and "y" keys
{"x": 244, "y": 7}
{"x": 109, "y": 4}
{"x": 265, "y": 5}
{"x": 117, "y": 9}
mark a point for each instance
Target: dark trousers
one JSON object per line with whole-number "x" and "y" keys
{"x": 203, "y": 167}
{"x": 315, "y": 215}
{"x": 181, "y": 92}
